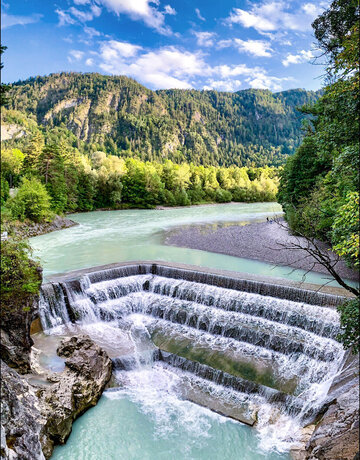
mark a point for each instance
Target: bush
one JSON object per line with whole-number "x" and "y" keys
{"x": 4, "y": 191}
{"x": 32, "y": 201}
{"x": 223, "y": 196}
{"x": 349, "y": 320}
{"x": 18, "y": 272}
{"x": 181, "y": 198}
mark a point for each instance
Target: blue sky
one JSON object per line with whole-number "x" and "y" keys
{"x": 227, "y": 45}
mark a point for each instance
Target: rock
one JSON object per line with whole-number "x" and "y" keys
{"x": 88, "y": 369}
{"x": 35, "y": 419}
{"x": 17, "y": 313}
{"x": 21, "y": 418}
{"x": 337, "y": 434}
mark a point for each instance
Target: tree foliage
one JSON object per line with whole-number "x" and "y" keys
{"x": 19, "y": 274}
{"x": 31, "y": 201}
{"x": 121, "y": 117}
{"x": 319, "y": 185}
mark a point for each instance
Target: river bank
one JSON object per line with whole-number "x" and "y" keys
{"x": 263, "y": 241}
{"x": 30, "y": 229}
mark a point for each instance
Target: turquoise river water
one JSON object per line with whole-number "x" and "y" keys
{"x": 104, "y": 237}
{"x": 145, "y": 419}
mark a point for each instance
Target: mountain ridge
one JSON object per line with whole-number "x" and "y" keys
{"x": 250, "y": 127}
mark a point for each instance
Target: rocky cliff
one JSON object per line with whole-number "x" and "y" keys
{"x": 37, "y": 417}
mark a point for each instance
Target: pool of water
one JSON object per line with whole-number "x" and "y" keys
{"x": 104, "y": 237}
{"x": 147, "y": 421}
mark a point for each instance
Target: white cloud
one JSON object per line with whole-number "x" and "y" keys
{"x": 223, "y": 85}
{"x": 171, "y": 67}
{"x": 275, "y": 15}
{"x": 82, "y": 16}
{"x": 81, "y": 2}
{"x": 198, "y": 14}
{"x": 10, "y": 20}
{"x": 263, "y": 81}
{"x": 258, "y": 48}
{"x": 166, "y": 67}
{"x": 169, "y": 10}
{"x": 89, "y": 62}
{"x": 64, "y": 18}
{"x": 312, "y": 10}
{"x": 96, "y": 10}
{"x": 205, "y": 38}
{"x": 303, "y": 56}
{"x": 140, "y": 10}
{"x": 75, "y": 55}
{"x": 91, "y": 32}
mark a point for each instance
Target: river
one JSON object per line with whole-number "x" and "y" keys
{"x": 104, "y": 237}
{"x": 145, "y": 419}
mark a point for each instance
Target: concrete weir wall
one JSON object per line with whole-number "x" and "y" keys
{"x": 330, "y": 431}
{"x": 263, "y": 285}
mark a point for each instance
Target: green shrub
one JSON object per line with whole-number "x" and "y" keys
{"x": 32, "y": 201}
{"x": 222, "y": 196}
{"x": 349, "y": 320}
{"x": 4, "y": 191}
{"x": 18, "y": 272}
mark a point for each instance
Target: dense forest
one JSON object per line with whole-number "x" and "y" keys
{"x": 319, "y": 187}
{"x": 117, "y": 115}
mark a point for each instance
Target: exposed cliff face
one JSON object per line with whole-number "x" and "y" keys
{"x": 34, "y": 419}
{"x": 17, "y": 313}
{"x": 337, "y": 434}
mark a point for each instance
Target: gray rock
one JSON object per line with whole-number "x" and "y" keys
{"x": 34, "y": 419}
{"x": 88, "y": 369}
{"x": 21, "y": 418}
{"x": 336, "y": 436}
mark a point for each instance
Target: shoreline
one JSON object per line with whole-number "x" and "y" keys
{"x": 165, "y": 208}
{"x": 260, "y": 241}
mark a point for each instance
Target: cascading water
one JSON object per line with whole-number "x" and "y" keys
{"x": 263, "y": 359}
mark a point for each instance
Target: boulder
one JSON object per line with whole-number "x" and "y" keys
{"x": 336, "y": 436}
{"x": 21, "y": 418}
{"x": 17, "y": 314}
{"x": 35, "y": 419}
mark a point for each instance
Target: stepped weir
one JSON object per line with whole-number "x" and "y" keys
{"x": 259, "y": 353}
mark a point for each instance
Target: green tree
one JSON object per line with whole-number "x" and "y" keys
{"x": 31, "y": 201}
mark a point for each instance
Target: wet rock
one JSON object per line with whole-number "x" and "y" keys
{"x": 79, "y": 386}
{"x": 337, "y": 434}
{"x": 35, "y": 419}
{"x": 21, "y": 418}
{"x": 17, "y": 313}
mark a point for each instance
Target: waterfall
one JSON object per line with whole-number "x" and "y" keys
{"x": 265, "y": 348}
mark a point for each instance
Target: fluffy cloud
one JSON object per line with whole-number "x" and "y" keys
{"x": 64, "y": 18}
{"x": 205, "y": 38}
{"x": 258, "y": 48}
{"x": 89, "y": 62}
{"x": 170, "y": 67}
{"x": 167, "y": 67}
{"x": 275, "y": 15}
{"x": 169, "y": 10}
{"x": 143, "y": 10}
{"x": 223, "y": 85}
{"x": 303, "y": 56}
{"x": 10, "y": 20}
{"x": 75, "y": 55}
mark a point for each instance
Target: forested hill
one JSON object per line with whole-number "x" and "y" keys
{"x": 118, "y": 115}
